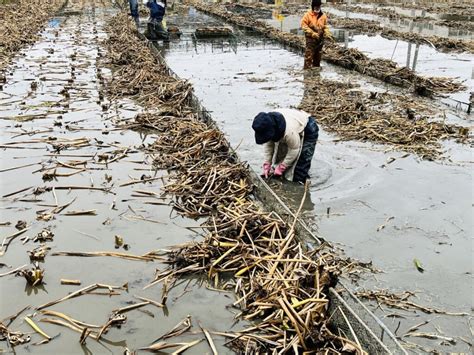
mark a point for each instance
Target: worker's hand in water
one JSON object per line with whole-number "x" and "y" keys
{"x": 267, "y": 169}
{"x": 280, "y": 170}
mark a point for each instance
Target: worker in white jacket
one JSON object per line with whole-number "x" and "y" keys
{"x": 289, "y": 139}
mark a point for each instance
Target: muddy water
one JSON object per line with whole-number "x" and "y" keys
{"x": 424, "y": 59}
{"x": 66, "y": 56}
{"x": 430, "y": 201}
{"x": 421, "y": 58}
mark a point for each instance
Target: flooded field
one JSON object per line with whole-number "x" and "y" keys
{"x": 291, "y": 23}
{"x": 423, "y": 59}
{"x": 353, "y": 181}
{"x": 66, "y": 169}
{"x": 72, "y": 181}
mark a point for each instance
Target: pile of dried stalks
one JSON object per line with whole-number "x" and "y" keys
{"x": 395, "y": 120}
{"x": 20, "y": 22}
{"x": 213, "y": 31}
{"x": 353, "y": 59}
{"x": 144, "y": 79}
{"x": 281, "y": 287}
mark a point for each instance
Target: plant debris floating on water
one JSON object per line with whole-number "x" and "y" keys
{"x": 33, "y": 276}
{"x": 17, "y": 16}
{"x": 280, "y": 286}
{"x": 401, "y": 301}
{"x": 384, "y": 118}
{"x": 368, "y": 26}
{"x": 353, "y": 59}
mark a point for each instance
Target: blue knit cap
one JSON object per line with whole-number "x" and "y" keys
{"x": 264, "y": 128}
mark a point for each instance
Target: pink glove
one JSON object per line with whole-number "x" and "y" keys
{"x": 267, "y": 168}
{"x": 280, "y": 169}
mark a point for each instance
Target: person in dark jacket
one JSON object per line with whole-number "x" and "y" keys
{"x": 155, "y": 28}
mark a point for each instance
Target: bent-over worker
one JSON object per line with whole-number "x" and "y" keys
{"x": 315, "y": 27}
{"x": 155, "y": 28}
{"x": 289, "y": 138}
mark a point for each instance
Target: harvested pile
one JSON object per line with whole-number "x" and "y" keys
{"x": 20, "y": 22}
{"x": 203, "y": 32}
{"x": 377, "y": 117}
{"x": 146, "y": 81}
{"x": 353, "y": 59}
{"x": 280, "y": 286}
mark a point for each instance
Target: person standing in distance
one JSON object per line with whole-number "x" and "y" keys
{"x": 315, "y": 27}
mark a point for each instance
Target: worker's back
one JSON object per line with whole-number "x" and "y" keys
{"x": 157, "y": 9}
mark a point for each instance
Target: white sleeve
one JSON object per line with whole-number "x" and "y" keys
{"x": 268, "y": 150}
{"x": 293, "y": 142}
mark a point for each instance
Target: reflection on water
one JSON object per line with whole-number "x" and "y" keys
{"x": 290, "y": 23}
{"x": 415, "y": 56}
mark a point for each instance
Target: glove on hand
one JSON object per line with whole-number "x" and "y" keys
{"x": 267, "y": 168}
{"x": 315, "y": 35}
{"x": 280, "y": 169}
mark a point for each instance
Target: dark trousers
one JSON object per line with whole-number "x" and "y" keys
{"x": 311, "y": 133}
{"x": 133, "y": 8}
{"x": 312, "y": 53}
{"x": 156, "y": 31}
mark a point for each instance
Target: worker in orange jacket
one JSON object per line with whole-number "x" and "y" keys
{"x": 315, "y": 27}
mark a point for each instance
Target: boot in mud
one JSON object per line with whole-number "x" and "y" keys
{"x": 155, "y": 31}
